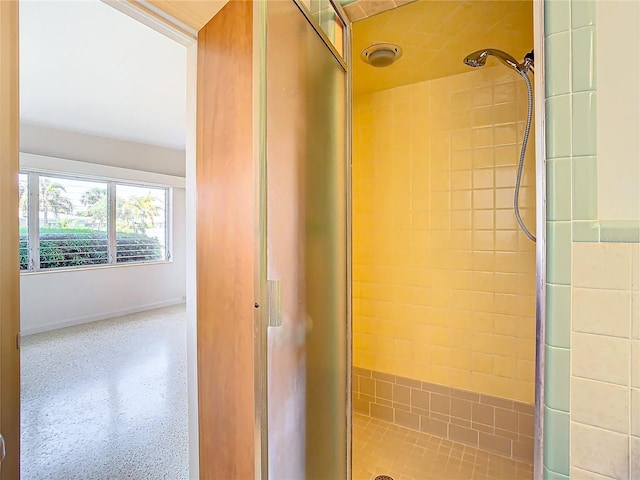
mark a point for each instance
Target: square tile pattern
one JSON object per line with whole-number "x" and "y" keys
{"x": 605, "y": 361}
{"x": 381, "y": 448}
{"x": 500, "y": 426}
{"x": 443, "y": 279}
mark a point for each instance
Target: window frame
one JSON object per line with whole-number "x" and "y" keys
{"x": 33, "y": 220}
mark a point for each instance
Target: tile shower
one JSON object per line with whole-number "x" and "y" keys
{"x": 444, "y": 282}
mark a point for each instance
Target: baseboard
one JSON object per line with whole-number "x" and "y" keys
{"x": 101, "y": 316}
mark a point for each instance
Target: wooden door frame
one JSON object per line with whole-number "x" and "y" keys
{"x": 9, "y": 167}
{"x": 9, "y": 243}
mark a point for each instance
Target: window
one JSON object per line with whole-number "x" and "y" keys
{"x": 23, "y": 216}
{"x": 72, "y": 220}
{"x": 140, "y": 223}
{"x": 75, "y": 222}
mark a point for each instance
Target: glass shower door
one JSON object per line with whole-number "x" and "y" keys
{"x": 306, "y": 250}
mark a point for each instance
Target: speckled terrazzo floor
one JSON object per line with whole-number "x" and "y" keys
{"x": 381, "y": 448}
{"x": 107, "y": 400}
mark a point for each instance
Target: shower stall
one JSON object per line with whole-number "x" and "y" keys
{"x": 444, "y": 253}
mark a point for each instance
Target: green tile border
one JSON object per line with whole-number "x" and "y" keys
{"x": 557, "y": 16}
{"x": 558, "y": 126}
{"x": 551, "y": 475}
{"x": 606, "y": 231}
{"x": 557, "y": 379}
{"x": 583, "y": 123}
{"x": 559, "y": 253}
{"x": 620, "y": 231}
{"x": 583, "y": 55}
{"x": 586, "y": 231}
{"x": 558, "y": 326}
{"x": 556, "y": 445}
{"x": 583, "y": 13}
{"x": 585, "y": 188}
{"x": 559, "y": 189}
{"x": 558, "y": 78}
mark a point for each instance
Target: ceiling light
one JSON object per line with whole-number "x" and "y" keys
{"x": 381, "y": 54}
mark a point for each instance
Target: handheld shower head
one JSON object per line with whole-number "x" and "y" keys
{"x": 479, "y": 58}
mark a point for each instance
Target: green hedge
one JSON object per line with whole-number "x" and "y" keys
{"x": 73, "y": 249}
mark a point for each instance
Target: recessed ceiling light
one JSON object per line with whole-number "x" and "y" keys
{"x": 381, "y": 54}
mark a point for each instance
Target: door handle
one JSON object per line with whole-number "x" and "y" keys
{"x": 3, "y": 451}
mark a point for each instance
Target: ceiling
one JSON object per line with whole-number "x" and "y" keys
{"x": 88, "y": 68}
{"x": 435, "y": 37}
{"x": 361, "y": 9}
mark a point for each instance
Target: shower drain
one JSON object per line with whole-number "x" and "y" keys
{"x": 383, "y": 477}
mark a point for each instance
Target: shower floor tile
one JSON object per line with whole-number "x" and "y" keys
{"x": 381, "y": 448}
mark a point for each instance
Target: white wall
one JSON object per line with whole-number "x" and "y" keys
{"x": 52, "y": 142}
{"x": 56, "y": 299}
{"x": 618, "y": 118}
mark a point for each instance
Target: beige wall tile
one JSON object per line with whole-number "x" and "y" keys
{"x": 635, "y": 363}
{"x": 367, "y": 386}
{"x": 424, "y": 281}
{"x": 496, "y": 444}
{"x": 420, "y": 399}
{"x": 506, "y": 420}
{"x": 635, "y": 458}
{"x": 463, "y": 435}
{"x": 525, "y": 424}
{"x": 635, "y": 267}
{"x": 635, "y": 412}
{"x": 384, "y": 390}
{"x": 361, "y": 406}
{"x": 373, "y": 7}
{"x": 579, "y": 474}
{"x": 381, "y": 412}
{"x": 435, "y": 427}
{"x": 440, "y": 404}
{"x": 402, "y": 394}
{"x": 600, "y": 358}
{"x": 409, "y": 420}
{"x": 386, "y": 377}
{"x": 602, "y": 265}
{"x": 483, "y": 414}
{"x": 601, "y": 451}
{"x": 527, "y": 408}
{"x": 600, "y": 404}
{"x": 523, "y": 450}
{"x": 355, "y": 11}
{"x": 635, "y": 315}
{"x": 461, "y": 408}
{"x": 605, "y": 312}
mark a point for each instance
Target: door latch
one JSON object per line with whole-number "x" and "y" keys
{"x": 3, "y": 451}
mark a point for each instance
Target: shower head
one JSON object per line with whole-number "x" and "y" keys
{"x": 479, "y": 58}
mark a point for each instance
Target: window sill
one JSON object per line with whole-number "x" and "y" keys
{"x": 93, "y": 267}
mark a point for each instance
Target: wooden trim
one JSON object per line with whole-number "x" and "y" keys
{"x": 9, "y": 264}
{"x": 226, "y": 243}
{"x": 193, "y": 13}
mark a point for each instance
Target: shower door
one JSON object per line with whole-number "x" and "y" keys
{"x": 306, "y": 250}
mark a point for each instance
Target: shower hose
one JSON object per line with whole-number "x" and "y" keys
{"x": 523, "y": 151}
